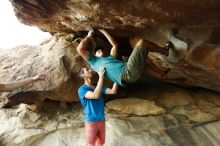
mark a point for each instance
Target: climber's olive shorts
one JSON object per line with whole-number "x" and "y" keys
{"x": 135, "y": 65}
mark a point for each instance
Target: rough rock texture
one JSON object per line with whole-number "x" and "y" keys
{"x": 57, "y": 58}
{"x": 60, "y": 124}
{"x": 135, "y": 106}
{"x": 193, "y": 63}
{"x": 134, "y": 16}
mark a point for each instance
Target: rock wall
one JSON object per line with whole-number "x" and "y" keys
{"x": 156, "y": 115}
{"x": 57, "y": 58}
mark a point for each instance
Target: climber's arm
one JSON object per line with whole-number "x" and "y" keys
{"x": 83, "y": 45}
{"x": 114, "y": 50}
{"x": 8, "y": 86}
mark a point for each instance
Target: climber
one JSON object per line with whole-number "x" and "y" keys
{"x": 116, "y": 70}
{"x": 9, "y": 86}
{"x": 92, "y": 100}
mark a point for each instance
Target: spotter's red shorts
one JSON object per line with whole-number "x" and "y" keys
{"x": 95, "y": 132}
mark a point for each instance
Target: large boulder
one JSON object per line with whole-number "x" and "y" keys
{"x": 57, "y": 58}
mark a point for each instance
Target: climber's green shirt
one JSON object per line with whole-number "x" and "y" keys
{"x": 113, "y": 67}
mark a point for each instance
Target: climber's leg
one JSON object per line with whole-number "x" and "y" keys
{"x": 152, "y": 47}
{"x": 135, "y": 64}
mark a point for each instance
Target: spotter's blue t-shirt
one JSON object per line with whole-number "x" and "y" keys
{"x": 93, "y": 109}
{"x": 113, "y": 67}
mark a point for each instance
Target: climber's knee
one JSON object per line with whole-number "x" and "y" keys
{"x": 140, "y": 42}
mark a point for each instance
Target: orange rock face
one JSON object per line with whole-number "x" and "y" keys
{"x": 125, "y": 17}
